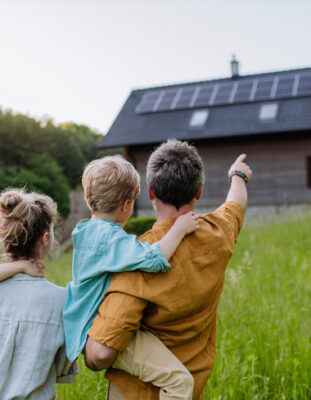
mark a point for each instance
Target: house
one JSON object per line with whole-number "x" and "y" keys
{"x": 267, "y": 116}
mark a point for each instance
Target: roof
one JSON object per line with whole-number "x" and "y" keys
{"x": 230, "y": 107}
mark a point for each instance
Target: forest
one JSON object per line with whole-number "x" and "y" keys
{"x": 44, "y": 157}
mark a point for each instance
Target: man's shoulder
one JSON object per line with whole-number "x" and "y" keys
{"x": 229, "y": 209}
{"x": 149, "y": 236}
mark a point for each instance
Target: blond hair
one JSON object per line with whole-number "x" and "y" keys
{"x": 109, "y": 182}
{"x": 23, "y": 219}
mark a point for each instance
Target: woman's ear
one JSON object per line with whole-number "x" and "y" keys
{"x": 44, "y": 238}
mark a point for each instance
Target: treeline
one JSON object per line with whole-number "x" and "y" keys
{"x": 44, "y": 157}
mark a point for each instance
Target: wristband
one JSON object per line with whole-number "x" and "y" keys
{"x": 238, "y": 173}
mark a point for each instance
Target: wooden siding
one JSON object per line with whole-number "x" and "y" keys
{"x": 279, "y": 166}
{"x": 78, "y": 211}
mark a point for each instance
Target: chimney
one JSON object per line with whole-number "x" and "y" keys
{"x": 234, "y": 67}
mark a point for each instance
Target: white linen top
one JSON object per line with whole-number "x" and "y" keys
{"x": 32, "y": 349}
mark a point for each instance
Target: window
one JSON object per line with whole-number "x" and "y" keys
{"x": 308, "y": 172}
{"x": 198, "y": 118}
{"x": 268, "y": 112}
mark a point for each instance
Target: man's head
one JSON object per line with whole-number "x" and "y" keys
{"x": 175, "y": 173}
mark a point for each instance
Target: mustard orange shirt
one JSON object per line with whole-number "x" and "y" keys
{"x": 178, "y": 306}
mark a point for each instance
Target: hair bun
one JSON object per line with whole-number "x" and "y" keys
{"x": 10, "y": 199}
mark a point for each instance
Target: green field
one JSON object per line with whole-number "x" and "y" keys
{"x": 264, "y": 319}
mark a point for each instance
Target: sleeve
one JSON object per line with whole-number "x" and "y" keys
{"x": 119, "y": 318}
{"x": 126, "y": 253}
{"x": 66, "y": 371}
{"x": 232, "y": 219}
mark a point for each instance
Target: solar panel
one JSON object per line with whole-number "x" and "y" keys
{"x": 223, "y": 94}
{"x": 166, "y": 100}
{"x": 263, "y": 90}
{"x": 304, "y": 86}
{"x": 243, "y": 92}
{"x": 227, "y": 92}
{"x": 285, "y": 87}
{"x": 203, "y": 96}
{"x": 185, "y": 98}
{"x": 147, "y": 102}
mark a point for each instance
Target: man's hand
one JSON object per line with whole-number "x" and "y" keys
{"x": 97, "y": 356}
{"x": 238, "y": 190}
{"x": 240, "y": 165}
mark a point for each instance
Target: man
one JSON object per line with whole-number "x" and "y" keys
{"x": 179, "y": 306}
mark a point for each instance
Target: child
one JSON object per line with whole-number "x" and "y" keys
{"x": 102, "y": 247}
{"x": 32, "y": 353}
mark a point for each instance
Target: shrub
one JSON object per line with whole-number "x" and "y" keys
{"x": 140, "y": 225}
{"x": 41, "y": 175}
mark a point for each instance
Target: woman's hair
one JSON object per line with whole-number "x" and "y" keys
{"x": 24, "y": 217}
{"x": 108, "y": 182}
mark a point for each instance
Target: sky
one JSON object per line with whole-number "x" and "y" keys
{"x": 78, "y": 60}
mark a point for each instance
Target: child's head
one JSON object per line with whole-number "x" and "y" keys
{"x": 108, "y": 183}
{"x": 26, "y": 223}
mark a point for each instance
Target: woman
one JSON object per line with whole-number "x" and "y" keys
{"x": 32, "y": 350}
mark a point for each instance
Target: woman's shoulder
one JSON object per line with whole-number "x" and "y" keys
{"x": 25, "y": 298}
{"x": 34, "y": 288}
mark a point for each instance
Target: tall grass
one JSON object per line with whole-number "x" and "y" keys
{"x": 89, "y": 385}
{"x": 264, "y": 319}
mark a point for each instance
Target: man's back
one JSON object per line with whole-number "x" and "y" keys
{"x": 180, "y": 305}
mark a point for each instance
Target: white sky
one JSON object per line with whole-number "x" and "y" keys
{"x": 78, "y": 60}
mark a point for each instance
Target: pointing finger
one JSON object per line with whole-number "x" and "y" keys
{"x": 241, "y": 158}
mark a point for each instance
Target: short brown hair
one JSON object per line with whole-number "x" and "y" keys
{"x": 175, "y": 172}
{"x": 108, "y": 182}
{"x": 24, "y": 217}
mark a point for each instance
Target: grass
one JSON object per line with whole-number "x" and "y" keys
{"x": 89, "y": 385}
{"x": 264, "y": 319}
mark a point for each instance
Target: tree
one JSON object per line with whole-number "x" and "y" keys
{"x": 42, "y": 175}
{"x": 44, "y": 157}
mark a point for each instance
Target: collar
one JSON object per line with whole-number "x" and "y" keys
{"x": 165, "y": 223}
{"x": 98, "y": 220}
{"x": 25, "y": 277}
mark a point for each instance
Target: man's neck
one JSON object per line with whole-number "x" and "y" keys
{"x": 164, "y": 211}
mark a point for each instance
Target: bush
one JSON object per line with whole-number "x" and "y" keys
{"x": 42, "y": 175}
{"x": 140, "y": 225}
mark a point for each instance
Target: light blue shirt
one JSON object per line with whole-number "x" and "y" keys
{"x": 101, "y": 247}
{"x": 32, "y": 342}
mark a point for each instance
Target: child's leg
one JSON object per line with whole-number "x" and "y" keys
{"x": 151, "y": 361}
{"x": 114, "y": 393}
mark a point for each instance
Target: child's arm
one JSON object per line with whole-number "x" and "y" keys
{"x": 126, "y": 253}
{"x": 238, "y": 190}
{"x": 183, "y": 225}
{"x": 31, "y": 267}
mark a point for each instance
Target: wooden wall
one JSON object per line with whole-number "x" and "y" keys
{"x": 78, "y": 211}
{"x": 279, "y": 166}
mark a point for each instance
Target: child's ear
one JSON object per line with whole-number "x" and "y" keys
{"x": 126, "y": 205}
